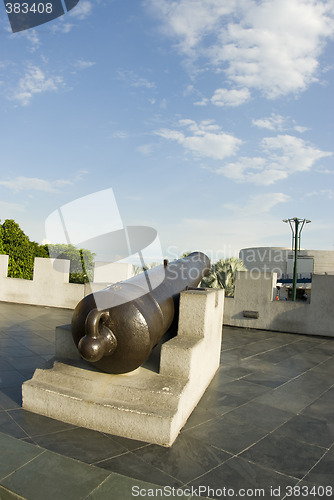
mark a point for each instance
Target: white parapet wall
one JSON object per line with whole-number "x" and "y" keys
{"x": 254, "y": 306}
{"x": 50, "y": 284}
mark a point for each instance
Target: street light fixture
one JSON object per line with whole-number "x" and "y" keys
{"x": 296, "y": 236}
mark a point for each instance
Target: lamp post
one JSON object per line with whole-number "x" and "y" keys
{"x": 296, "y": 234}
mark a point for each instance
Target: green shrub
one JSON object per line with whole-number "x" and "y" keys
{"x": 22, "y": 252}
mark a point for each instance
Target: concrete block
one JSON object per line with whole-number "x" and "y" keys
{"x": 145, "y": 405}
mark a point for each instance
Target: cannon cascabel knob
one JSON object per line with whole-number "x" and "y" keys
{"x": 99, "y": 340}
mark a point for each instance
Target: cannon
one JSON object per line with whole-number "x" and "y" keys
{"x": 115, "y": 329}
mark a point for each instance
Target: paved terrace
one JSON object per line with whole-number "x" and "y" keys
{"x": 266, "y": 421}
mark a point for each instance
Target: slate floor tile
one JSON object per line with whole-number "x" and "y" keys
{"x": 130, "y": 465}
{"x": 125, "y": 488}
{"x": 37, "y": 480}
{"x": 34, "y": 424}
{"x": 8, "y": 495}
{"x": 185, "y": 460}
{"x": 227, "y": 434}
{"x": 269, "y": 378}
{"x": 4, "y": 365}
{"x": 238, "y": 476}
{"x": 308, "y": 430}
{"x": 25, "y": 362}
{"x": 244, "y": 389}
{"x": 10, "y": 378}
{"x": 219, "y": 402}
{"x": 11, "y": 397}
{"x": 198, "y": 416}
{"x": 288, "y": 397}
{"x": 322, "y": 407}
{"x": 128, "y": 444}
{"x": 10, "y": 427}
{"x": 81, "y": 444}
{"x": 284, "y": 455}
{"x": 15, "y": 454}
{"x": 235, "y": 372}
{"x": 326, "y": 367}
{"x": 322, "y": 473}
{"x": 262, "y": 416}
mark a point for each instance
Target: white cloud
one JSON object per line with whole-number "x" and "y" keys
{"x": 272, "y": 46}
{"x": 274, "y": 122}
{"x": 82, "y": 64}
{"x": 234, "y": 97}
{"x": 134, "y": 80}
{"x": 258, "y": 204}
{"x": 22, "y": 183}
{"x": 61, "y": 26}
{"x": 278, "y": 123}
{"x": 284, "y": 155}
{"x": 33, "y": 38}
{"x": 205, "y": 139}
{"x": 188, "y": 21}
{"x": 35, "y": 81}
{"x": 145, "y": 149}
{"x": 327, "y": 193}
{"x": 82, "y": 10}
{"x": 120, "y": 134}
{"x": 301, "y": 129}
{"x": 32, "y": 183}
{"x": 8, "y": 207}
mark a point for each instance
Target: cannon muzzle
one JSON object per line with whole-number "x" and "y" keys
{"x": 115, "y": 329}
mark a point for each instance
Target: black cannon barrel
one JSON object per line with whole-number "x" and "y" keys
{"x": 115, "y": 329}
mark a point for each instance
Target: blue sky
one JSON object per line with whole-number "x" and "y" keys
{"x": 211, "y": 121}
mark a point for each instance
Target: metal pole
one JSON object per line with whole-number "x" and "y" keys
{"x": 296, "y": 235}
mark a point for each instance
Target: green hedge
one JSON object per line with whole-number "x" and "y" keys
{"x": 22, "y": 252}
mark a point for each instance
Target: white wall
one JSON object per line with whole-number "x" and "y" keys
{"x": 314, "y": 318}
{"x": 280, "y": 260}
{"x": 50, "y": 284}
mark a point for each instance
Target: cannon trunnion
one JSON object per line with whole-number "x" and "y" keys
{"x": 115, "y": 329}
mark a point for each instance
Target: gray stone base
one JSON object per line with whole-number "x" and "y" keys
{"x": 145, "y": 405}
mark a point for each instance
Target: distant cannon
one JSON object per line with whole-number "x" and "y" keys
{"x": 115, "y": 329}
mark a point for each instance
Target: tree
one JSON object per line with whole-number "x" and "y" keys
{"x": 222, "y": 274}
{"x": 39, "y": 250}
{"x": 81, "y": 261}
{"x": 2, "y": 250}
{"x": 22, "y": 252}
{"x": 17, "y": 246}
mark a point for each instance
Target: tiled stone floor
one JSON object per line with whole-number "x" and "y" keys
{"x": 265, "y": 424}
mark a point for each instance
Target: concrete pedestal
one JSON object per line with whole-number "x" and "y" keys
{"x": 145, "y": 405}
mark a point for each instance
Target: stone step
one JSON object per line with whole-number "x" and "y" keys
{"x": 135, "y": 389}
